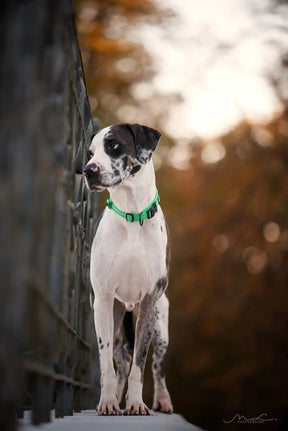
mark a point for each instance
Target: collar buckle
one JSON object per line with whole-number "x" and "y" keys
{"x": 152, "y": 211}
{"x": 130, "y": 217}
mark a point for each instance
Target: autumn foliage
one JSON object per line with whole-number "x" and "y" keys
{"x": 229, "y": 276}
{"x": 229, "y": 229}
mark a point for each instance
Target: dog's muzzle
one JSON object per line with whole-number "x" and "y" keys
{"x": 92, "y": 174}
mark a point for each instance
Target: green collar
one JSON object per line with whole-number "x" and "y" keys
{"x": 146, "y": 214}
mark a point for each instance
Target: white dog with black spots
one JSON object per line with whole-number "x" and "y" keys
{"x": 129, "y": 266}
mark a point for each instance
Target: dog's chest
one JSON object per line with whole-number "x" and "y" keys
{"x": 130, "y": 260}
{"x": 133, "y": 272}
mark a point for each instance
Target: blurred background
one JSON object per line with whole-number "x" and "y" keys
{"x": 212, "y": 77}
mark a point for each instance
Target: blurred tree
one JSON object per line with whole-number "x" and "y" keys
{"x": 226, "y": 205}
{"x": 112, "y": 61}
{"x": 229, "y": 277}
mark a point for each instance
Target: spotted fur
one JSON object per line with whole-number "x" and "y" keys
{"x": 129, "y": 268}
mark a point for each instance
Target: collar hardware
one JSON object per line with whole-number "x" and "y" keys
{"x": 152, "y": 210}
{"x": 129, "y": 216}
{"x": 146, "y": 214}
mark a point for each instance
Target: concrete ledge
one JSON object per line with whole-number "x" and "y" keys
{"x": 89, "y": 421}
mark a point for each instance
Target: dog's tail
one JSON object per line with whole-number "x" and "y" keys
{"x": 129, "y": 330}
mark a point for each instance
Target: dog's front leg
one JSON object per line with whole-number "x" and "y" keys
{"x": 143, "y": 335}
{"x": 103, "y": 315}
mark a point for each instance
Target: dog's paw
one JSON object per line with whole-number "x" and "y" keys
{"x": 137, "y": 408}
{"x": 162, "y": 402}
{"x": 109, "y": 408}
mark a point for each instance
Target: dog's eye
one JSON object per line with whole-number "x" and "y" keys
{"x": 113, "y": 148}
{"x": 89, "y": 154}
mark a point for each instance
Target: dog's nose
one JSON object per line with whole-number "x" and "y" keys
{"x": 91, "y": 170}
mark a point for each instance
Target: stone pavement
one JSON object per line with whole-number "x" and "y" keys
{"x": 89, "y": 421}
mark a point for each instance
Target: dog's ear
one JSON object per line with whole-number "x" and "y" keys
{"x": 145, "y": 140}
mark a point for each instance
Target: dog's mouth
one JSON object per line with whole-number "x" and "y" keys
{"x": 99, "y": 186}
{"x": 96, "y": 188}
{"x": 94, "y": 184}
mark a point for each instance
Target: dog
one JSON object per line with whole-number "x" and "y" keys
{"x": 129, "y": 266}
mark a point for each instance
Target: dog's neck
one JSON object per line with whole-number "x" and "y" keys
{"x": 136, "y": 192}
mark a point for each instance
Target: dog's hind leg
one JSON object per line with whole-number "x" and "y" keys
{"x": 162, "y": 401}
{"x": 121, "y": 356}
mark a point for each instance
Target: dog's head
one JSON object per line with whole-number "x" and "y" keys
{"x": 118, "y": 152}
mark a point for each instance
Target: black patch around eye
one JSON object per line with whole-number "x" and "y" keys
{"x": 113, "y": 148}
